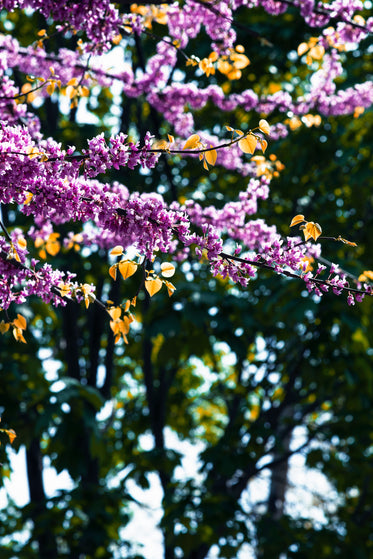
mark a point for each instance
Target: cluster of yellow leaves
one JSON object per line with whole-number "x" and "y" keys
{"x": 84, "y": 290}
{"x": 34, "y": 84}
{"x": 126, "y": 267}
{"x": 74, "y": 90}
{"x": 19, "y": 324}
{"x": 208, "y": 157}
{"x": 249, "y": 142}
{"x": 75, "y": 242}
{"x": 268, "y": 167}
{"x": 11, "y": 434}
{"x": 153, "y": 283}
{"x": 311, "y": 230}
{"x": 51, "y": 245}
{"x": 230, "y": 64}
{"x": 121, "y": 318}
{"x": 164, "y": 144}
{"x": 367, "y": 275}
{"x": 308, "y": 119}
{"x": 313, "y": 50}
{"x": 151, "y": 13}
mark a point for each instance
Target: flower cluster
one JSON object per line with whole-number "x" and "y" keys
{"x": 56, "y": 185}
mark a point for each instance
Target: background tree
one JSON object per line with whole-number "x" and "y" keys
{"x": 246, "y": 376}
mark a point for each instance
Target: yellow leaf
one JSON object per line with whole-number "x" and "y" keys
{"x": 115, "y": 313}
{"x": 312, "y": 230}
{"x": 160, "y": 144}
{"x": 127, "y": 268}
{"x": 297, "y": 219}
{"x": 42, "y": 254}
{"x": 127, "y": 305}
{"x": 229, "y": 129}
{"x": 22, "y": 243}
{"x": 4, "y": 327}
{"x": 248, "y": 144}
{"x": 73, "y": 81}
{"x": 192, "y": 142}
{"x": 368, "y": 274}
{"x": 41, "y": 33}
{"x": 211, "y": 156}
{"x": 205, "y": 166}
{"x": 170, "y": 288}
{"x": 152, "y": 286}
{"x": 11, "y": 434}
{"x": 20, "y": 322}
{"x": 50, "y": 88}
{"x": 65, "y": 289}
{"x": 17, "y": 333}
{"x": 117, "y": 251}
{"x": 168, "y": 270}
{"x": 113, "y": 271}
{"x": 264, "y": 126}
{"x": 302, "y": 48}
{"x": 240, "y": 60}
{"x": 28, "y": 198}
{"x": 263, "y": 145}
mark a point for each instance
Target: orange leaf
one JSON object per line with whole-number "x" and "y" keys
{"x": 11, "y": 434}
{"x": 248, "y": 144}
{"x": 312, "y": 230}
{"x": 192, "y": 142}
{"x": 127, "y": 268}
{"x": 211, "y": 156}
{"x": 117, "y": 251}
{"x": 152, "y": 286}
{"x": 113, "y": 271}
{"x": 20, "y": 322}
{"x": 168, "y": 270}
{"x": 115, "y": 313}
{"x": 264, "y": 126}
{"x": 297, "y": 219}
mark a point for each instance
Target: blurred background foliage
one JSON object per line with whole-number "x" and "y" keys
{"x": 244, "y": 378}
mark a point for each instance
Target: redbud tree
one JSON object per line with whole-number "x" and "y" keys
{"x": 66, "y": 208}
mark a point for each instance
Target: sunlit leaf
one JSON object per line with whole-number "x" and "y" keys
{"x": 115, "y": 313}
{"x": 170, "y": 288}
{"x": 20, "y": 322}
{"x": 127, "y": 268}
{"x": 18, "y": 334}
{"x": 152, "y": 286}
{"x": 297, "y": 219}
{"x": 264, "y": 126}
{"x": 302, "y": 48}
{"x": 22, "y": 243}
{"x": 168, "y": 269}
{"x": 312, "y": 230}
{"x": 248, "y": 144}
{"x": 211, "y": 156}
{"x": 117, "y": 251}
{"x": 192, "y": 142}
